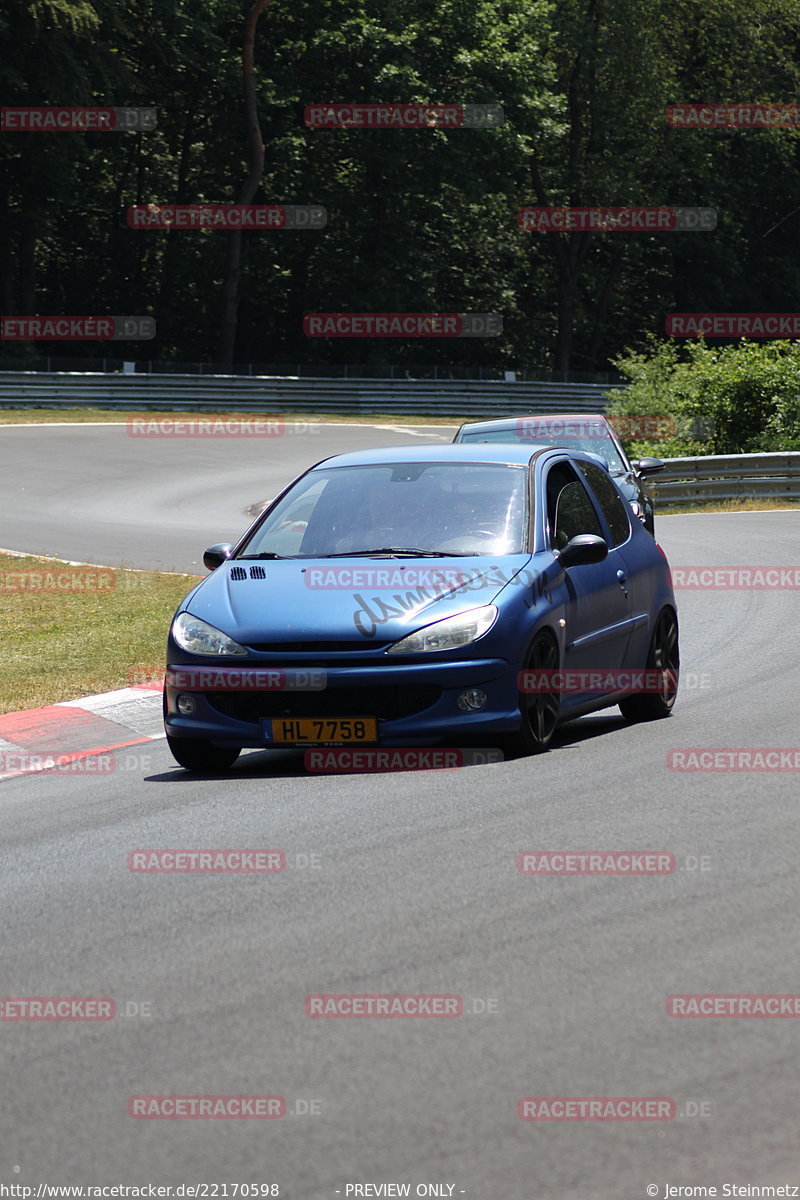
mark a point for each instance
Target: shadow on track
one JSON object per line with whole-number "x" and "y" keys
{"x": 288, "y": 764}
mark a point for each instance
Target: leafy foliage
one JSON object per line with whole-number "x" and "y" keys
{"x": 740, "y": 399}
{"x": 418, "y": 220}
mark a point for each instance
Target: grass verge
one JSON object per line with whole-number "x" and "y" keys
{"x": 726, "y": 506}
{"x": 72, "y": 631}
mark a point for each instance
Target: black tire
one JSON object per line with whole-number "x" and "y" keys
{"x": 196, "y": 754}
{"x": 539, "y": 709}
{"x": 664, "y": 655}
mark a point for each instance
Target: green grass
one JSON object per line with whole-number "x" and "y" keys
{"x": 60, "y": 642}
{"x": 725, "y": 506}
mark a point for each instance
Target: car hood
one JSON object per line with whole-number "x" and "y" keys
{"x": 343, "y": 600}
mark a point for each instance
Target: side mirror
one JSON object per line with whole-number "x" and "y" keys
{"x": 215, "y": 556}
{"x": 649, "y": 466}
{"x": 582, "y": 550}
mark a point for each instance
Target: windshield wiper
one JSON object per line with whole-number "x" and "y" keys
{"x": 250, "y": 557}
{"x": 412, "y": 551}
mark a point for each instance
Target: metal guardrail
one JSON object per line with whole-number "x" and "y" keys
{"x": 268, "y": 394}
{"x": 727, "y": 477}
{"x": 49, "y": 363}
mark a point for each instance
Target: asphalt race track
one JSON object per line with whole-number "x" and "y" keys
{"x": 100, "y": 494}
{"x": 403, "y": 883}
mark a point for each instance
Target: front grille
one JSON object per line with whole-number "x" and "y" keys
{"x": 316, "y": 647}
{"x": 385, "y": 703}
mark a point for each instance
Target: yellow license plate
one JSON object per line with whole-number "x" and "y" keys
{"x": 319, "y": 730}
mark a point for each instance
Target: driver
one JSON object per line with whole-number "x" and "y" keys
{"x": 374, "y": 519}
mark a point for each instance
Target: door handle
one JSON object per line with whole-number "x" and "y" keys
{"x": 622, "y": 580}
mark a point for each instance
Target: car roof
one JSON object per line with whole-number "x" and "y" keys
{"x": 480, "y": 452}
{"x": 512, "y": 422}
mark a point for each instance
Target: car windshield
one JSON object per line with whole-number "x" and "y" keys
{"x": 428, "y": 508}
{"x": 577, "y": 435}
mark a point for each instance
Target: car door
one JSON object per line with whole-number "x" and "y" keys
{"x": 597, "y": 595}
{"x": 631, "y": 564}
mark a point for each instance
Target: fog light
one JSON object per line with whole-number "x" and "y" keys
{"x": 471, "y": 701}
{"x": 185, "y": 704}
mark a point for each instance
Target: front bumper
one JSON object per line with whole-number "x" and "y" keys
{"x": 415, "y": 704}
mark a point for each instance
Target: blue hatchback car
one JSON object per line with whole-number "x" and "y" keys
{"x": 419, "y": 596}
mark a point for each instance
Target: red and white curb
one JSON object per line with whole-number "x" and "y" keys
{"x": 41, "y": 739}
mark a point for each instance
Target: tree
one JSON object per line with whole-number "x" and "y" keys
{"x": 249, "y": 187}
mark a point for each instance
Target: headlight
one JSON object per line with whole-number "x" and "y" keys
{"x": 198, "y": 637}
{"x": 448, "y": 634}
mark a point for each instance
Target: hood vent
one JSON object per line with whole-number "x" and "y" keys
{"x": 255, "y": 573}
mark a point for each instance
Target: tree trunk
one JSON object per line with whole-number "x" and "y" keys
{"x": 7, "y": 305}
{"x": 230, "y": 287}
{"x": 27, "y": 262}
{"x": 566, "y": 290}
{"x": 603, "y": 305}
{"x": 167, "y": 325}
{"x": 571, "y": 250}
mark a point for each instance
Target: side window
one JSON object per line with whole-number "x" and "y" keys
{"x": 610, "y": 503}
{"x": 569, "y": 509}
